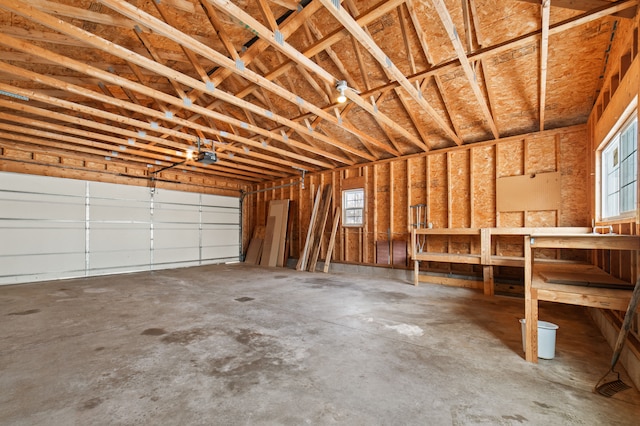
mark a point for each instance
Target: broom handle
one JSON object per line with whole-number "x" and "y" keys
{"x": 626, "y": 324}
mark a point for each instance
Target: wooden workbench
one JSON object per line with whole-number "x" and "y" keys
{"x": 485, "y": 257}
{"x": 585, "y": 285}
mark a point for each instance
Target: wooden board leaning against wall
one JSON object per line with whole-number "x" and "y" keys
{"x": 458, "y": 186}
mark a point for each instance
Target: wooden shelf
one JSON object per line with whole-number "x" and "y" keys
{"x": 576, "y": 284}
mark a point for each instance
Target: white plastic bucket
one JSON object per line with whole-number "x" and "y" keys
{"x": 546, "y": 338}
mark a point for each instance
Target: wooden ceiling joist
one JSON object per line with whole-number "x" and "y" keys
{"x": 107, "y": 77}
{"x": 358, "y": 33}
{"x": 134, "y": 123}
{"x": 107, "y": 150}
{"x": 259, "y": 166}
{"x": 515, "y": 43}
{"x": 256, "y": 80}
{"x": 586, "y": 5}
{"x": 276, "y": 40}
{"x": 144, "y": 62}
{"x": 545, "y": 9}
{"x": 182, "y": 39}
{"x": 451, "y": 30}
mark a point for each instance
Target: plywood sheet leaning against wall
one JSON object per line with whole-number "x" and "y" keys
{"x": 458, "y": 185}
{"x": 275, "y": 233}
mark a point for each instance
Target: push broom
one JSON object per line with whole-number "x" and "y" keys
{"x": 609, "y": 389}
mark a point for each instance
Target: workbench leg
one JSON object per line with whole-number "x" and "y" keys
{"x": 487, "y": 275}
{"x": 531, "y": 317}
{"x": 416, "y": 272}
{"x": 530, "y": 305}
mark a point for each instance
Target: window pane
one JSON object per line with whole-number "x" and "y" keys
{"x": 628, "y": 198}
{"x": 353, "y": 206}
{"x": 620, "y": 172}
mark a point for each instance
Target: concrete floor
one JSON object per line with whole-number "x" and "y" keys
{"x": 230, "y": 344}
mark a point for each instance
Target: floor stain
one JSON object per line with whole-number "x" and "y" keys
{"x": 100, "y": 348}
{"x": 261, "y": 361}
{"x": 249, "y": 337}
{"x": 518, "y": 418}
{"x": 323, "y": 283}
{"x": 29, "y": 312}
{"x": 184, "y": 337}
{"x": 153, "y": 332}
{"x": 91, "y": 403}
{"x": 541, "y": 404}
{"x": 244, "y": 299}
{"x": 389, "y": 296}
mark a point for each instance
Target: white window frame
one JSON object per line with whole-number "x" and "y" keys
{"x": 353, "y": 203}
{"x": 618, "y": 169}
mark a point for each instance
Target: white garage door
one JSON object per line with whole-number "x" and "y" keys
{"x": 61, "y": 228}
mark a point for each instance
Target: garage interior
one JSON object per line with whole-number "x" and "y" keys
{"x": 282, "y": 212}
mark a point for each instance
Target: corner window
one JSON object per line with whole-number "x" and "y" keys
{"x": 619, "y": 171}
{"x": 353, "y": 207}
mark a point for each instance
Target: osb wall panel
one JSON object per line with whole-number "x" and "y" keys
{"x": 541, "y": 155}
{"x": 574, "y": 169}
{"x": 484, "y": 186}
{"x": 459, "y": 189}
{"x": 383, "y": 199}
{"x": 510, "y": 156}
{"x": 438, "y": 197}
{"x": 398, "y": 223}
{"x": 417, "y": 182}
{"x": 457, "y": 185}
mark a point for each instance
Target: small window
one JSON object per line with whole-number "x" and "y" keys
{"x": 353, "y": 207}
{"x": 619, "y": 171}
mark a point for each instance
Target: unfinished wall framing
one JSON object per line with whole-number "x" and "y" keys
{"x": 458, "y": 186}
{"x": 620, "y": 88}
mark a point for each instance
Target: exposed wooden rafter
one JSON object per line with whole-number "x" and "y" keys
{"x": 255, "y": 81}
{"x": 447, "y": 22}
{"x": 544, "y": 56}
{"x": 277, "y": 41}
{"x": 354, "y": 28}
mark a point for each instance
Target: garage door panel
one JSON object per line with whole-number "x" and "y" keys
{"x": 175, "y": 236}
{"x": 220, "y": 201}
{"x": 38, "y": 240}
{"x": 220, "y": 236}
{"x": 175, "y": 213}
{"x": 219, "y": 215}
{"x": 42, "y": 207}
{"x": 22, "y": 183}
{"x": 177, "y": 197}
{"x": 119, "y": 192}
{"x": 220, "y": 253}
{"x": 117, "y": 210}
{"x": 59, "y": 264}
{"x": 106, "y": 237}
{"x": 119, "y": 260}
{"x": 125, "y": 228}
{"x": 176, "y": 255}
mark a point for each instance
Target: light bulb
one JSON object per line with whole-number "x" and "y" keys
{"x": 342, "y": 98}
{"x": 190, "y": 154}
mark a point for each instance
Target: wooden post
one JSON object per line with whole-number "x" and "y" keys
{"x": 416, "y": 263}
{"x": 530, "y": 305}
{"x": 485, "y": 259}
